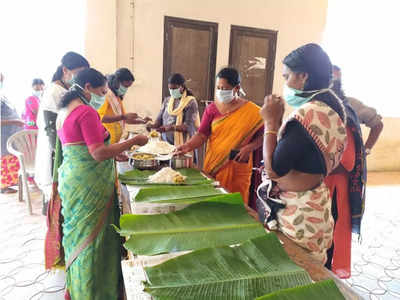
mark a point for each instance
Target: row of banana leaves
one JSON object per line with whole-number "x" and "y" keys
{"x": 232, "y": 256}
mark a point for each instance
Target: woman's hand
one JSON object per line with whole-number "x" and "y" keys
{"x": 183, "y": 149}
{"x": 165, "y": 128}
{"x": 130, "y": 118}
{"x": 121, "y": 157}
{"x": 147, "y": 119}
{"x": 244, "y": 154}
{"x": 272, "y": 112}
{"x": 140, "y": 140}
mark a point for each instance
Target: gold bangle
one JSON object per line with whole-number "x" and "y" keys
{"x": 270, "y": 132}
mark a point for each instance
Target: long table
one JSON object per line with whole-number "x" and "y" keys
{"x": 299, "y": 255}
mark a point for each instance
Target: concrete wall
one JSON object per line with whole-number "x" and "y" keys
{"x": 130, "y": 33}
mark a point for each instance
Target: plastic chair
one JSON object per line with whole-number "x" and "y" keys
{"x": 23, "y": 145}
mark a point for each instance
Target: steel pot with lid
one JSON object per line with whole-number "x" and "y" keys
{"x": 181, "y": 161}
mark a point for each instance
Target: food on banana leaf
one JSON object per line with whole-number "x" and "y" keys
{"x": 167, "y": 175}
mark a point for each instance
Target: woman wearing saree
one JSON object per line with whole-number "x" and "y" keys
{"x": 87, "y": 188}
{"x": 299, "y": 154}
{"x": 112, "y": 112}
{"x": 232, "y": 128}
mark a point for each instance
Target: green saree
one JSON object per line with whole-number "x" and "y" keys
{"x": 89, "y": 207}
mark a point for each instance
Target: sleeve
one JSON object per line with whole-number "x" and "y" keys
{"x": 292, "y": 148}
{"x": 159, "y": 119}
{"x": 190, "y": 113}
{"x": 91, "y": 127}
{"x": 349, "y": 154}
{"x": 206, "y": 121}
{"x": 366, "y": 114}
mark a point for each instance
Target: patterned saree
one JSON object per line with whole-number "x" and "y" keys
{"x": 306, "y": 217}
{"x": 89, "y": 207}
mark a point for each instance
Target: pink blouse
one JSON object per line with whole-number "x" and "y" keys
{"x": 30, "y": 113}
{"x": 83, "y": 126}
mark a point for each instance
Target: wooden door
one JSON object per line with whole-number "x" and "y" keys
{"x": 252, "y": 52}
{"x": 190, "y": 48}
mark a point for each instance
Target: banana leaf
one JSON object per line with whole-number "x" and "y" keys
{"x": 219, "y": 221}
{"x": 176, "y": 194}
{"x": 139, "y": 178}
{"x": 326, "y": 290}
{"x": 257, "y": 267}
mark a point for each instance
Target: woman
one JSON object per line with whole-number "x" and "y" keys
{"x": 310, "y": 145}
{"x": 347, "y": 188}
{"x": 179, "y": 117}
{"x": 232, "y": 128}
{"x": 88, "y": 194}
{"x": 32, "y": 104}
{"x": 71, "y": 64}
{"x": 10, "y": 124}
{"x": 112, "y": 112}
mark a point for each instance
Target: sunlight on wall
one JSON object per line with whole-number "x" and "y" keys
{"x": 362, "y": 38}
{"x": 34, "y": 37}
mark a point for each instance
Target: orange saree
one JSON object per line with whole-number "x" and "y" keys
{"x": 231, "y": 132}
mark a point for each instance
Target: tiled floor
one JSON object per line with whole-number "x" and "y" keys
{"x": 376, "y": 262}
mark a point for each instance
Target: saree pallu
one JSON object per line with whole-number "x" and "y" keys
{"x": 53, "y": 250}
{"x": 231, "y": 132}
{"x": 89, "y": 207}
{"x": 113, "y": 106}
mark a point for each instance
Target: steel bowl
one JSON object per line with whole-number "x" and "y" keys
{"x": 144, "y": 164}
{"x": 181, "y": 161}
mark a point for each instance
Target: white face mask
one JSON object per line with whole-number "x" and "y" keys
{"x": 225, "y": 96}
{"x": 37, "y": 93}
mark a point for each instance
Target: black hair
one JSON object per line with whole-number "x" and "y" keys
{"x": 37, "y": 81}
{"x": 178, "y": 79}
{"x": 231, "y": 75}
{"x": 114, "y": 80}
{"x": 313, "y": 60}
{"x": 71, "y": 60}
{"x": 91, "y": 76}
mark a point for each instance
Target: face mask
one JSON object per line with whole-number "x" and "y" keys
{"x": 121, "y": 90}
{"x": 71, "y": 81}
{"x": 96, "y": 101}
{"x": 290, "y": 96}
{"x": 225, "y": 96}
{"x": 175, "y": 93}
{"x": 37, "y": 93}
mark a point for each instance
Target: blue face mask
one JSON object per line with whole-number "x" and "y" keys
{"x": 96, "y": 101}
{"x": 290, "y": 96}
{"x": 121, "y": 90}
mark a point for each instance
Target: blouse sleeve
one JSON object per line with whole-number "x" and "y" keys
{"x": 292, "y": 148}
{"x": 366, "y": 114}
{"x": 159, "y": 119}
{"x": 91, "y": 127}
{"x": 206, "y": 121}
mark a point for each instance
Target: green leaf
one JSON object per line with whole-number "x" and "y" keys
{"x": 255, "y": 268}
{"x": 176, "y": 194}
{"x": 219, "y": 221}
{"x": 326, "y": 290}
{"x": 139, "y": 178}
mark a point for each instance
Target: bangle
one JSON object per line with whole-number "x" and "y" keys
{"x": 270, "y": 132}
